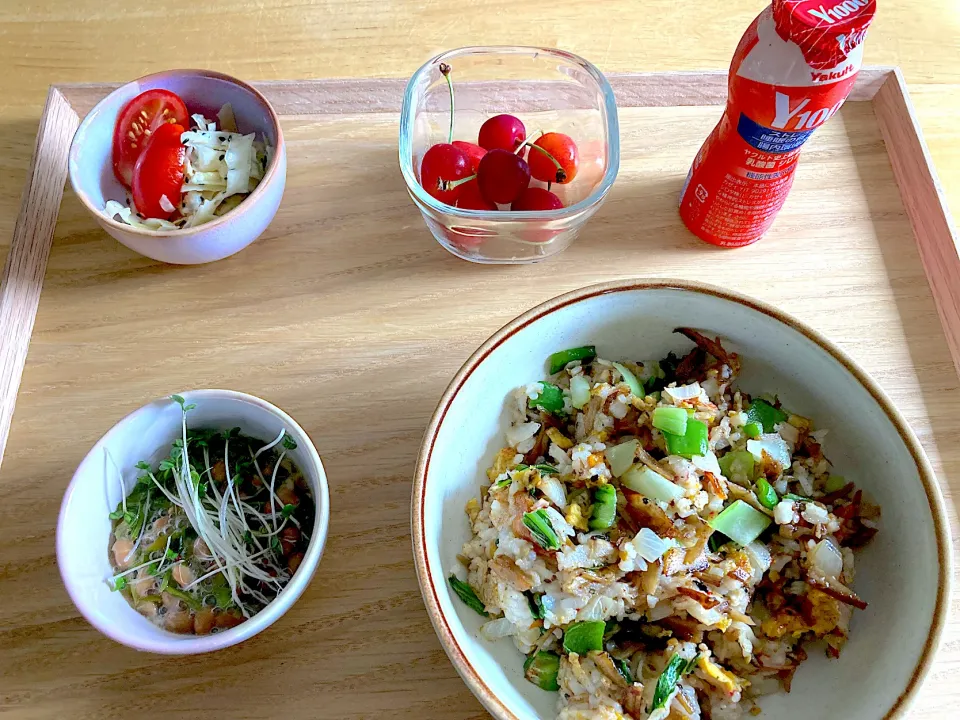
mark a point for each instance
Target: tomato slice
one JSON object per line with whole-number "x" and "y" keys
{"x": 139, "y": 119}
{"x": 159, "y": 172}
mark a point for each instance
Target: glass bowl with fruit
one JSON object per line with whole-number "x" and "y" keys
{"x": 508, "y": 151}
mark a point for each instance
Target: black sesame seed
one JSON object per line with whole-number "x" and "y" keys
{"x": 222, "y": 157}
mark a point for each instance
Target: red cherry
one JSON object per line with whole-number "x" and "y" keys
{"x": 560, "y": 148}
{"x": 471, "y": 199}
{"x": 502, "y": 176}
{"x": 534, "y": 198}
{"x": 473, "y": 152}
{"x": 442, "y": 164}
{"x": 503, "y": 132}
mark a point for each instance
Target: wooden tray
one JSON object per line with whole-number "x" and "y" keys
{"x": 348, "y": 315}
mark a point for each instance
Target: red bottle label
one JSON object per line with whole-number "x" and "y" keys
{"x": 779, "y": 93}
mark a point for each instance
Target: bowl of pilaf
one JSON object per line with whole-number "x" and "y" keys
{"x": 659, "y": 500}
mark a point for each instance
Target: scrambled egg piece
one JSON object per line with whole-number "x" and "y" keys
{"x": 501, "y": 463}
{"x": 825, "y": 612}
{"x": 472, "y": 509}
{"x": 717, "y": 676}
{"x": 575, "y": 517}
{"x": 559, "y": 439}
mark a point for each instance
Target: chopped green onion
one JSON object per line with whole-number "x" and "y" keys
{"x": 604, "y": 507}
{"x": 834, "y": 483}
{"x": 667, "y": 682}
{"x": 503, "y": 483}
{"x": 624, "y": 669}
{"x": 119, "y": 584}
{"x": 550, "y": 399}
{"x": 542, "y": 530}
{"x": 620, "y": 457}
{"x": 582, "y": 637}
{"x": 737, "y": 463}
{"x": 766, "y": 494}
{"x": 671, "y": 420}
{"x": 636, "y": 387}
{"x": 467, "y": 594}
{"x": 536, "y": 605}
{"x": 116, "y": 514}
{"x": 579, "y": 391}
{"x": 717, "y": 540}
{"x": 559, "y": 360}
{"x": 542, "y": 669}
{"x": 753, "y": 430}
{"x": 193, "y": 602}
{"x": 741, "y": 523}
{"x": 692, "y": 442}
{"x": 796, "y": 498}
{"x": 546, "y": 469}
{"x": 288, "y": 510}
{"x": 645, "y": 481}
{"x": 766, "y": 415}
{"x": 610, "y": 629}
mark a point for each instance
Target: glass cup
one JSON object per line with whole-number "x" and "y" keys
{"x": 550, "y": 91}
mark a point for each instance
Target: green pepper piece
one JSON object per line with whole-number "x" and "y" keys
{"x": 559, "y": 360}
{"x": 582, "y": 637}
{"x": 541, "y": 668}
{"x": 636, "y": 387}
{"x": 765, "y": 415}
{"x": 766, "y": 494}
{"x": 604, "y": 507}
{"x": 738, "y": 462}
{"x": 741, "y": 523}
{"x": 550, "y": 399}
{"x": 671, "y": 420}
{"x": 753, "y": 430}
{"x": 834, "y": 483}
{"x": 797, "y": 498}
{"x": 692, "y": 442}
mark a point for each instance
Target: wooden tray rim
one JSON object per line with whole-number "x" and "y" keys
{"x": 22, "y": 279}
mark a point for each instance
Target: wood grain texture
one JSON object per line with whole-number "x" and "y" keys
{"x": 26, "y": 263}
{"x": 923, "y": 199}
{"x": 350, "y": 317}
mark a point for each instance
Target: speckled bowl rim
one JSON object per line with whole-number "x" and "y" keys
{"x": 458, "y": 657}
{"x": 236, "y": 212}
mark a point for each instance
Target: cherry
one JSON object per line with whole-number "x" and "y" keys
{"x": 471, "y": 199}
{"x": 554, "y": 158}
{"x": 473, "y": 152}
{"x": 502, "y": 176}
{"x": 502, "y": 132}
{"x": 535, "y": 198}
{"x": 442, "y": 165}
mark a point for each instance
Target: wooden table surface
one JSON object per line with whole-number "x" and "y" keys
{"x": 58, "y": 666}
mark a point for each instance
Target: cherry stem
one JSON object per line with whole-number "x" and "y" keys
{"x": 561, "y": 173}
{"x": 528, "y": 141}
{"x": 447, "y": 185}
{"x": 445, "y": 71}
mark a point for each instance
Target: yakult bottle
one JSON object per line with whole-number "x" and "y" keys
{"x": 791, "y": 72}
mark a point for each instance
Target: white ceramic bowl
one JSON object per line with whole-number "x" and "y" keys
{"x": 93, "y": 181}
{"x": 83, "y": 530}
{"x": 904, "y": 573}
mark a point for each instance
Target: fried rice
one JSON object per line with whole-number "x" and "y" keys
{"x": 660, "y": 545}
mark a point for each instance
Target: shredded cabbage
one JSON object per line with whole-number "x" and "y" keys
{"x": 220, "y": 168}
{"x": 113, "y": 208}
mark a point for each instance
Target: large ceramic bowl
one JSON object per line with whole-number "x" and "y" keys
{"x": 83, "y": 530}
{"x": 904, "y": 573}
{"x": 203, "y": 91}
